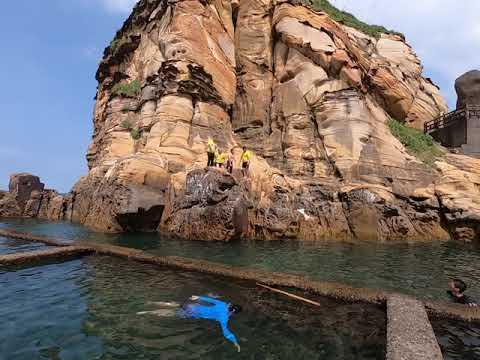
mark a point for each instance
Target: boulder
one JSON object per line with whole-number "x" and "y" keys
{"x": 213, "y": 206}
{"x": 22, "y": 186}
{"x": 27, "y": 197}
{"x": 467, "y": 87}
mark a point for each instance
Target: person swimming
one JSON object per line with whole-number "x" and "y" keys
{"x": 457, "y": 292}
{"x": 216, "y": 310}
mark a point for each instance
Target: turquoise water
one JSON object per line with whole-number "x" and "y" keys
{"x": 87, "y": 309}
{"x": 421, "y": 270}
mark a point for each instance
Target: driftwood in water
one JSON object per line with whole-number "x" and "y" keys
{"x": 293, "y": 296}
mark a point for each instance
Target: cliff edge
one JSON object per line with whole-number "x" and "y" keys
{"x": 310, "y": 96}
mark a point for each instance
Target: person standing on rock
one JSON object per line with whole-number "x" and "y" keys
{"x": 245, "y": 160}
{"x": 220, "y": 159}
{"x": 230, "y": 162}
{"x": 211, "y": 150}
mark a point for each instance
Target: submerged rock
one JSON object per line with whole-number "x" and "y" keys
{"x": 310, "y": 96}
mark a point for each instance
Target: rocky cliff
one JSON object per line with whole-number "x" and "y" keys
{"x": 312, "y": 97}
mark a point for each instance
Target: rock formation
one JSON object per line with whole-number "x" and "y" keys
{"x": 27, "y": 197}
{"x": 310, "y": 96}
{"x": 468, "y": 89}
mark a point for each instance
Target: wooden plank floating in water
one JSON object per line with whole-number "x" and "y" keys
{"x": 293, "y": 296}
{"x": 328, "y": 289}
{"x": 31, "y": 257}
{"x": 409, "y": 333}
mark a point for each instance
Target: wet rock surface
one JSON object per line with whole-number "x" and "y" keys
{"x": 309, "y": 96}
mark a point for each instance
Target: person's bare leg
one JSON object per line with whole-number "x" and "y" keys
{"x": 167, "y": 304}
{"x": 160, "y": 312}
{"x": 167, "y": 308}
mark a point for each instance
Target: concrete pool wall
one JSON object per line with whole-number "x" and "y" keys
{"x": 409, "y": 333}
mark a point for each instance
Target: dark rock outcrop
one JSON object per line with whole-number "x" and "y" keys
{"x": 468, "y": 89}
{"x": 214, "y": 206}
{"x": 27, "y": 197}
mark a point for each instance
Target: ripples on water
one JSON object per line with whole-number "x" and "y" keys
{"x": 10, "y": 246}
{"x": 422, "y": 270}
{"x": 458, "y": 341}
{"x": 86, "y": 309}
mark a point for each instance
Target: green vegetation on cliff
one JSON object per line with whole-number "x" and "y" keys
{"x": 126, "y": 124}
{"x": 134, "y": 133}
{"x": 416, "y": 142}
{"x": 131, "y": 89}
{"x": 348, "y": 19}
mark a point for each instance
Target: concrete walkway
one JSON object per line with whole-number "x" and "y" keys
{"x": 31, "y": 257}
{"x": 409, "y": 332}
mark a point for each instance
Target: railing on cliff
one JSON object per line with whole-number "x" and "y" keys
{"x": 451, "y": 118}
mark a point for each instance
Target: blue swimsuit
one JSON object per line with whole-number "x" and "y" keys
{"x": 217, "y": 310}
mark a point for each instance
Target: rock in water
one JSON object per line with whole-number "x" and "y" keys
{"x": 27, "y": 197}
{"x": 22, "y": 186}
{"x": 468, "y": 89}
{"x": 310, "y": 96}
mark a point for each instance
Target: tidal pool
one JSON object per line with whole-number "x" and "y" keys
{"x": 421, "y": 270}
{"x": 87, "y": 309}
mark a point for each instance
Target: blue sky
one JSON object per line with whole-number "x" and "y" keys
{"x": 51, "y": 48}
{"x": 50, "y": 52}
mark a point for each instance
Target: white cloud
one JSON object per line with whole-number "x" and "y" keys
{"x": 119, "y": 5}
{"x": 444, "y": 33}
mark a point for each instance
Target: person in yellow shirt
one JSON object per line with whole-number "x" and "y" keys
{"x": 245, "y": 159}
{"x": 220, "y": 159}
{"x": 211, "y": 150}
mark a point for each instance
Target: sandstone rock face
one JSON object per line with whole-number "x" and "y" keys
{"x": 468, "y": 89}
{"x": 310, "y": 96}
{"x": 27, "y": 197}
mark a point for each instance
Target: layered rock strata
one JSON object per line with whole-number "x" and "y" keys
{"x": 311, "y": 97}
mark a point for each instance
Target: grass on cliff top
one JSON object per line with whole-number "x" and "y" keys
{"x": 131, "y": 89}
{"x": 348, "y": 19}
{"x": 416, "y": 142}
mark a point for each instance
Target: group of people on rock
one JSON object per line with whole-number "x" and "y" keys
{"x": 224, "y": 159}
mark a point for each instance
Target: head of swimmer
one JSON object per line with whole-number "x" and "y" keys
{"x": 234, "y": 309}
{"x": 457, "y": 286}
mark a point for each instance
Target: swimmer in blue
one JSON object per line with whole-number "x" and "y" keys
{"x": 204, "y": 308}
